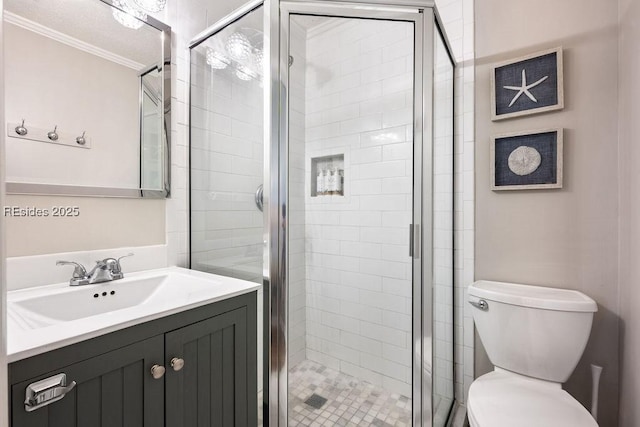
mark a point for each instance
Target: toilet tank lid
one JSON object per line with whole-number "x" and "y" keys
{"x": 533, "y": 296}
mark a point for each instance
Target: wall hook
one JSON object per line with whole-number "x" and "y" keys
{"x": 53, "y": 135}
{"x": 21, "y": 130}
{"x": 81, "y": 140}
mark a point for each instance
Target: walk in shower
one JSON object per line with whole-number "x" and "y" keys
{"x": 321, "y": 165}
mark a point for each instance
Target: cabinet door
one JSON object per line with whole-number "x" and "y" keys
{"x": 217, "y": 385}
{"x": 115, "y": 389}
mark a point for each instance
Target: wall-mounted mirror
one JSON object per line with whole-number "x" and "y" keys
{"x": 88, "y": 99}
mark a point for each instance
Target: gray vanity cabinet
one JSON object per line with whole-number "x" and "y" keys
{"x": 209, "y": 354}
{"x": 211, "y": 389}
{"x": 113, "y": 390}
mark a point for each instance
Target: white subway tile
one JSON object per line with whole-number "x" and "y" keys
{"x": 383, "y": 333}
{"x": 384, "y": 136}
{"x": 361, "y": 124}
{"x": 382, "y": 169}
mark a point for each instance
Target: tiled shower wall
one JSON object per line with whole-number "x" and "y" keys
{"x": 226, "y": 169}
{"x": 359, "y": 79}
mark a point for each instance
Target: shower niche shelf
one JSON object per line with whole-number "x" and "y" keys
{"x": 327, "y": 176}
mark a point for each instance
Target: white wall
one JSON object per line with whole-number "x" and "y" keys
{"x": 629, "y": 185}
{"x": 564, "y": 238}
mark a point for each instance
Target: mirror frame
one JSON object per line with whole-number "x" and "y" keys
{"x": 30, "y": 188}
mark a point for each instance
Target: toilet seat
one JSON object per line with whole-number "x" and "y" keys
{"x": 505, "y": 399}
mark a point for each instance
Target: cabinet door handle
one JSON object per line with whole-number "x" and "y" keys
{"x": 157, "y": 371}
{"x": 177, "y": 363}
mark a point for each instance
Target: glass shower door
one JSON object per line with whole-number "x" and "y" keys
{"x": 443, "y": 319}
{"x": 351, "y": 170}
{"x": 227, "y": 155}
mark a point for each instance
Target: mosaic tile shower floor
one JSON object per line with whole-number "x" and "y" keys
{"x": 350, "y": 401}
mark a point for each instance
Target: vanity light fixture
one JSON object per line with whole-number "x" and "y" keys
{"x": 128, "y": 15}
{"x": 238, "y": 46}
{"x": 216, "y": 59}
{"x": 245, "y": 73}
{"x": 258, "y": 56}
{"x": 151, "y": 6}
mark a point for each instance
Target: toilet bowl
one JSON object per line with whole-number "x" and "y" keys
{"x": 535, "y": 337}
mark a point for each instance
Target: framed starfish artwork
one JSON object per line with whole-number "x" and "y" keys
{"x": 527, "y": 85}
{"x": 527, "y": 160}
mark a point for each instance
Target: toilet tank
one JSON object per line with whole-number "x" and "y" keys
{"x": 532, "y": 330}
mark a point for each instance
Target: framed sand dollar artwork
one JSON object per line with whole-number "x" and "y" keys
{"x": 527, "y": 85}
{"x": 527, "y": 160}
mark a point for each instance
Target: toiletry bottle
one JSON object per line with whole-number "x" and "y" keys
{"x": 332, "y": 184}
{"x": 340, "y": 182}
{"x": 324, "y": 181}
{"x": 319, "y": 182}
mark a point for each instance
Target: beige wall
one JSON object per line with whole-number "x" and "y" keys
{"x": 103, "y": 223}
{"x": 564, "y": 238}
{"x": 629, "y": 159}
{"x": 67, "y": 96}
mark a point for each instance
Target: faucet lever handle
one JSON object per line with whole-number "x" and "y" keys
{"x": 125, "y": 256}
{"x": 118, "y": 260}
{"x": 79, "y": 272}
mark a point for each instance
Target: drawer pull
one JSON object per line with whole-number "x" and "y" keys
{"x": 157, "y": 371}
{"x": 46, "y": 391}
{"x": 177, "y": 364}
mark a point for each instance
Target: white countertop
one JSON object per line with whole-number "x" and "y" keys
{"x": 171, "y": 290}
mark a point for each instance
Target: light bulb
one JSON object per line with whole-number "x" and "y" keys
{"x": 151, "y": 6}
{"x": 238, "y": 46}
{"x": 127, "y": 15}
{"x": 216, "y": 59}
{"x": 245, "y": 73}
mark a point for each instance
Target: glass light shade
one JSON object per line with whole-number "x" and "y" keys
{"x": 151, "y": 6}
{"x": 245, "y": 73}
{"x": 238, "y": 46}
{"x": 127, "y": 15}
{"x": 217, "y": 60}
{"x": 259, "y": 60}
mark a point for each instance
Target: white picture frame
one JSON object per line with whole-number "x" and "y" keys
{"x": 505, "y": 76}
{"x": 539, "y": 140}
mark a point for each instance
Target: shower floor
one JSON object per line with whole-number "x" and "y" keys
{"x": 349, "y": 400}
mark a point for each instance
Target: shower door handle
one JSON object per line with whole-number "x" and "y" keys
{"x": 414, "y": 241}
{"x": 259, "y": 197}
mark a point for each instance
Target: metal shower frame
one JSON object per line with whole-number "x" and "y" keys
{"x": 424, "y": 17}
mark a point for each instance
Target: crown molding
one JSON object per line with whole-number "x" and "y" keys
{"x": 37, "y": 28}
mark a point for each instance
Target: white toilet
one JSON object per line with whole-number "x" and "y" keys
{"x": 535, "y": 337}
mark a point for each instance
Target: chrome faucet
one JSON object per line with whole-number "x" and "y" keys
{"x": 79, "y": 276}
{"x": 105, "y": 270}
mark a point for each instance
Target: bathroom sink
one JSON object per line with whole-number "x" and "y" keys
{"x": 85, "y": 301}
{"x": 51, "y": 316}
